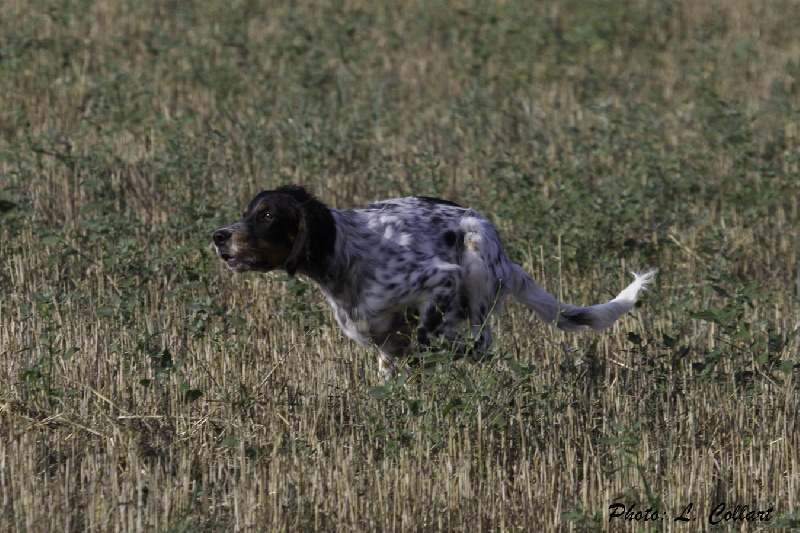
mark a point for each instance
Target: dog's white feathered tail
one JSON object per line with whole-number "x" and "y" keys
{"x": 569, "y": 317}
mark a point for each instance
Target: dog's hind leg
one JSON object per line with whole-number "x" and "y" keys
{"x": 482, "y": 287}
{"x": 443, "y": 312}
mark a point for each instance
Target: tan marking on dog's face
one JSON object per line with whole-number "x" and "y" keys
{"x": 278, "y": 252}
{"x": 253, "y": 252}
{"x": 260, "y": 246}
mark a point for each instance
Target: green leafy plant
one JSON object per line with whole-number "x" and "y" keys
{"x": 625, "y": 443}
{"x": 40, "y": 376}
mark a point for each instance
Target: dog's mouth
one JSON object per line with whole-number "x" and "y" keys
{"x": 237, "y": 264}
{"x": 232, "y": 262}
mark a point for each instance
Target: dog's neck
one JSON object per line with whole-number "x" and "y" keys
{"x": 341, "y": 269}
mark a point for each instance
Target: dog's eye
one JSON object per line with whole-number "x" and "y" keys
{"x": 266, "y": 215}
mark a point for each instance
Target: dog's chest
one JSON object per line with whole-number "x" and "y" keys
{"x": 371, "y": 325}
{"x": 355, "y": 328}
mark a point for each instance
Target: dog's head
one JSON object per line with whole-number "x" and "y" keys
{"x": 285, "y": 228}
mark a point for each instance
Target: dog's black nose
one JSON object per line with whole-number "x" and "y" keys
{"x": 221, "y": 235}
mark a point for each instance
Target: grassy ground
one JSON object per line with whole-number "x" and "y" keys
{"x": 142, "y": 387}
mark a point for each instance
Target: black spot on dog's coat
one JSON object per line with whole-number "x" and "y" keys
{"x": 436, "y": 201}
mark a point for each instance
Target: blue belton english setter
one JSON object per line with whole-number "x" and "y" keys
{"x": 401, "y": 272}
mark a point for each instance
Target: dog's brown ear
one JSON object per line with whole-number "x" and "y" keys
{"x": 314, "y": 242}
